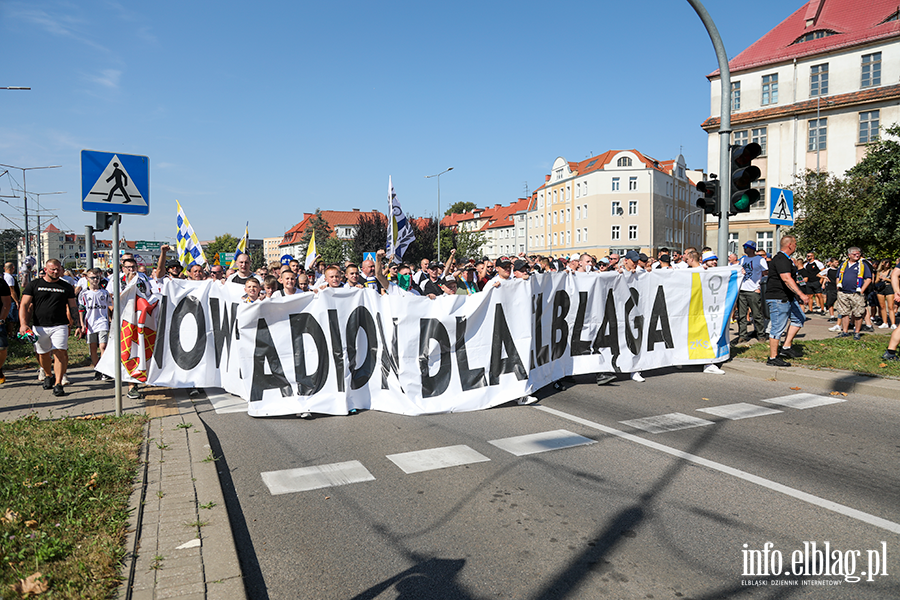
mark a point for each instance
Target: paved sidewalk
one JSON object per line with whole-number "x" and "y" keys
{"x": 179, "y": 542}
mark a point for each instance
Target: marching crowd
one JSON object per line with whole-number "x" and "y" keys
{"x": 775, "y": 293}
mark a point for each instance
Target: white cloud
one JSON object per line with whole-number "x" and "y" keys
{"x": 108, "y": 78}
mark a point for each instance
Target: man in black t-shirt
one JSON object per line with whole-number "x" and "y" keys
{"x": 5, "y": 305}
{"x": 49, "y": 303}
{"x": 785, "y": 300}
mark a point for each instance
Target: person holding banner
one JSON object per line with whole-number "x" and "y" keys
{"x": 243, "y": 272}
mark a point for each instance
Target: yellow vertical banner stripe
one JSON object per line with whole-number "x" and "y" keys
{"x": 698, "y": 330}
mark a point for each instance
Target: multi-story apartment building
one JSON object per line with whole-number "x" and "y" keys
{"x": 812, "y": 92}
{"x": 69, "y": 249}
{"x": 614, "y": 202}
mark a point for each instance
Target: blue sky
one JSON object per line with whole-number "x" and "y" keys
{"x": 263, "y": 111}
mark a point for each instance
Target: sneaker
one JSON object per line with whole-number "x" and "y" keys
{"x": 134, "y": 394}
{"x": 194, "y": 393}
{"x": 843, "y": 334}
{"x": 883, "y": 326}
{"x": 712, "y": 369}
{"x": 48, "y": 383}
{"x": 636, "y": 376}
{"x": 888, "y": 355}
{"x": 893, "y": 327}
{"x": 106, "y": 378}
{"x": 41, "y": 374}
{"x": 558, "y": 386}
{"x": 857, "y": 336}
{"x": 866, "y": 329}
{"x": 305, "y": 415}
{"x": 98, "y": 375}
{"x": 65, "y": 380}
{"x": 787, "y": 353}
{"x": 832, "y": 319}
{"x": 58, "y": 390}
{"x": 835, "y": 328}
{"x": 604, "y": 378}
{"x": 778, "y": 362}
{"x": 526, "y": 400}
{"x": 353, "y": 411}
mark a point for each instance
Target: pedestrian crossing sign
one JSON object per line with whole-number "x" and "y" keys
{"x": 781, "y": 207}
{"x": 115, "y": 183}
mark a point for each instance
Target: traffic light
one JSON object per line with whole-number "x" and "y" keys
{"x": 105, "y": 221}
{"x": 743, "y": 174}
{"x": 709, "y": 196}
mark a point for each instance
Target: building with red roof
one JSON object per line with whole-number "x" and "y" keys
{"x": 812, "y": 92}
{"x": 343, "y": 225}
{"x": 614, "y": 202}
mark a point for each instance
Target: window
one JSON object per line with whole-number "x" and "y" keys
{"x": 871, "y": 70}
{"x": 615, "y": 234}
{"x": 616, "y": 208}
{"x": 584, "y": 234}
{"x": 615, "y": 184}
{"x": 541, "y": 200}
{"x": 741, "y": 137}
{"x": 733, "y": 243}
{"x": 868, "y": 126}
{"x": 585, "y": 188}
{"x": 624, "y": 162}
{"x": 632, "y": 232}
{"x": 764, "y": 241}
{"x": 568, "y": 192}
{"x": 578, "y": 190}
{"x": 758, "y": 136}
{"x": 814, "y": 35}
{"x": 818, "y": 130}
{"x": 578, "y": 235}
{"x": 632, "y": 207}
{"x": 568, "y": 215}
{"x": 569, "y": 237}
{"x": 735, "y": 95}
{"x": 632, "y": 184}
{"x": 578, "y": 212}
{"x": 584, "y": 212}
{"x": 818, "y": 80}
{"x": 555, "y": 239}
{"x": 554, "y": 217}
{"x": 554, "y": 196}
{"x": 769, "y": 89}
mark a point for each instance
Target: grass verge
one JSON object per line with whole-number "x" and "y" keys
{"x": 862, "y": 356}
{"x": 64, "y": 489}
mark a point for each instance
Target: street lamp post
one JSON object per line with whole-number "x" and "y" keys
{"x": 683, "y": 236}
{"x": 439, "y": 210}
{"x": 40, "y": 242}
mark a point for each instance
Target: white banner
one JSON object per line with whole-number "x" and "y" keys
{"x": 349, "y": 348}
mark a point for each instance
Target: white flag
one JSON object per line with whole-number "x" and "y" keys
{"x": 400, "y": 231}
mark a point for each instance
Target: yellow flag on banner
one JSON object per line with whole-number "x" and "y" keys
{"x": 311, "y": 252}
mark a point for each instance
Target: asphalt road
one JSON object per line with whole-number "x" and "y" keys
{"x": 606, "y": 510}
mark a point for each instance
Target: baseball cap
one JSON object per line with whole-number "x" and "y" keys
{"x": 709, "y": 256}
{"x": 520, "y": 265}
{"x": 171, "y": 264}
{"x": 643, "y": 257}
{"x": 665, "y": 258}
{"x": 632, "y": 256}
{"x": 750, "y": 244}
{"x": 503, "y": 262}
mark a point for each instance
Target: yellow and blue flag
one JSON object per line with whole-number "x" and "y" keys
{"x": 241, "y": 247}
{"x": 190, "y": 252}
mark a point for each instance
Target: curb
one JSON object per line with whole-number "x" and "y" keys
{"x": 840, "y": 381}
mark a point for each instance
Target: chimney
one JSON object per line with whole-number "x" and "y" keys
{"x": 355, "y": 210}
{"x": 546, "y": 178}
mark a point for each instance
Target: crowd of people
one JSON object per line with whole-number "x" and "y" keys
{"x": 776, "y": 293}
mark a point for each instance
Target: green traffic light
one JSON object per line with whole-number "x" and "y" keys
{"x": 743, "y": 203}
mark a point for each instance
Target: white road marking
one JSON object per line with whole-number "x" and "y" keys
{"x": 523, "y": 445}
{"x": 436, "y": 458}
{"x": 801, "y": 401}
{"x": 313, "y": 478}
{"x": 669, "y": 422}
{"x": 224, "y": 402}
{"x": 766, "y": 483}
{"x": 741, "y": 410}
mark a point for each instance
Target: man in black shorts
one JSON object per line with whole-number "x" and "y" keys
{"x": 49, "y": 302}
{"x": 5, "y": 305}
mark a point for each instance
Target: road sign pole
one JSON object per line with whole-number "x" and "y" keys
{"x": 117, "y": 316}
{"x": 89, "y": 247}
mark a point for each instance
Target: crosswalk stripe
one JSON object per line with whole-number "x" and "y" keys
{"x": 436, "y": 458}
{"x": 669, "y": 422}
{"x": 224, "y": 402}
{"x": 802, "y": 401}
{"x": 313, "y": 478}
{"x": 533, "y": 443}
{"x": 741, "y": 410}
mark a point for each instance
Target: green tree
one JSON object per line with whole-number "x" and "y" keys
{"x": 469, "y": 244}
{"x": 424, "y": 244}
{"x": 223, "y": 243}
{"x": 9, "y": 238}
{"x": 878, "y": 174}
{"x": 371, "y": 235}
{"x": 335, "y": 250}
{"x": 323, "y": 233}
{"x": 457, "y": 208}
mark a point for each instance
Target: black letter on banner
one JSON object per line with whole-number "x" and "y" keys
{"x": 309, "y": 384}
{"x": 608, "y": 334}
{"x": 159, "y": 347}
{"x": 542, "y": 351}
{"x": 659, "y": 316}
{"x": 634, "y": 342}
{"x": 360, "y": 317}
{"x": 432, "y": 329}
{"x": 189, "y": 359}
{"x": 503, "y": 341}
{"x": 579, "y": 346}
{"x": 388, "y": 360}
{"x": 265, "y": 351}
{"x": 337, "y": 348}
{"x": 222, "y": 328}
{"x": 470, "y": 379}
{"x": 561, "y": 304}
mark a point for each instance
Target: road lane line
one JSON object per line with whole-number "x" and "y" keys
{"x": 533, "y": 443}
{"x": 766, "y": 483}
{"x": 436, "y": 458}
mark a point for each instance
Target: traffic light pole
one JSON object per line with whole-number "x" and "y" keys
{"x": 724, "y": 124}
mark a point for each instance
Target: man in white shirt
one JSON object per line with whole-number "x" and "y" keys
{"x": 753, "y": 269}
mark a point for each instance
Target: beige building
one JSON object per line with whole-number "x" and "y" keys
{"x": 812, "y": 92}
{"x": 271, "y": 248}
{"x": 617, "y": 201}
